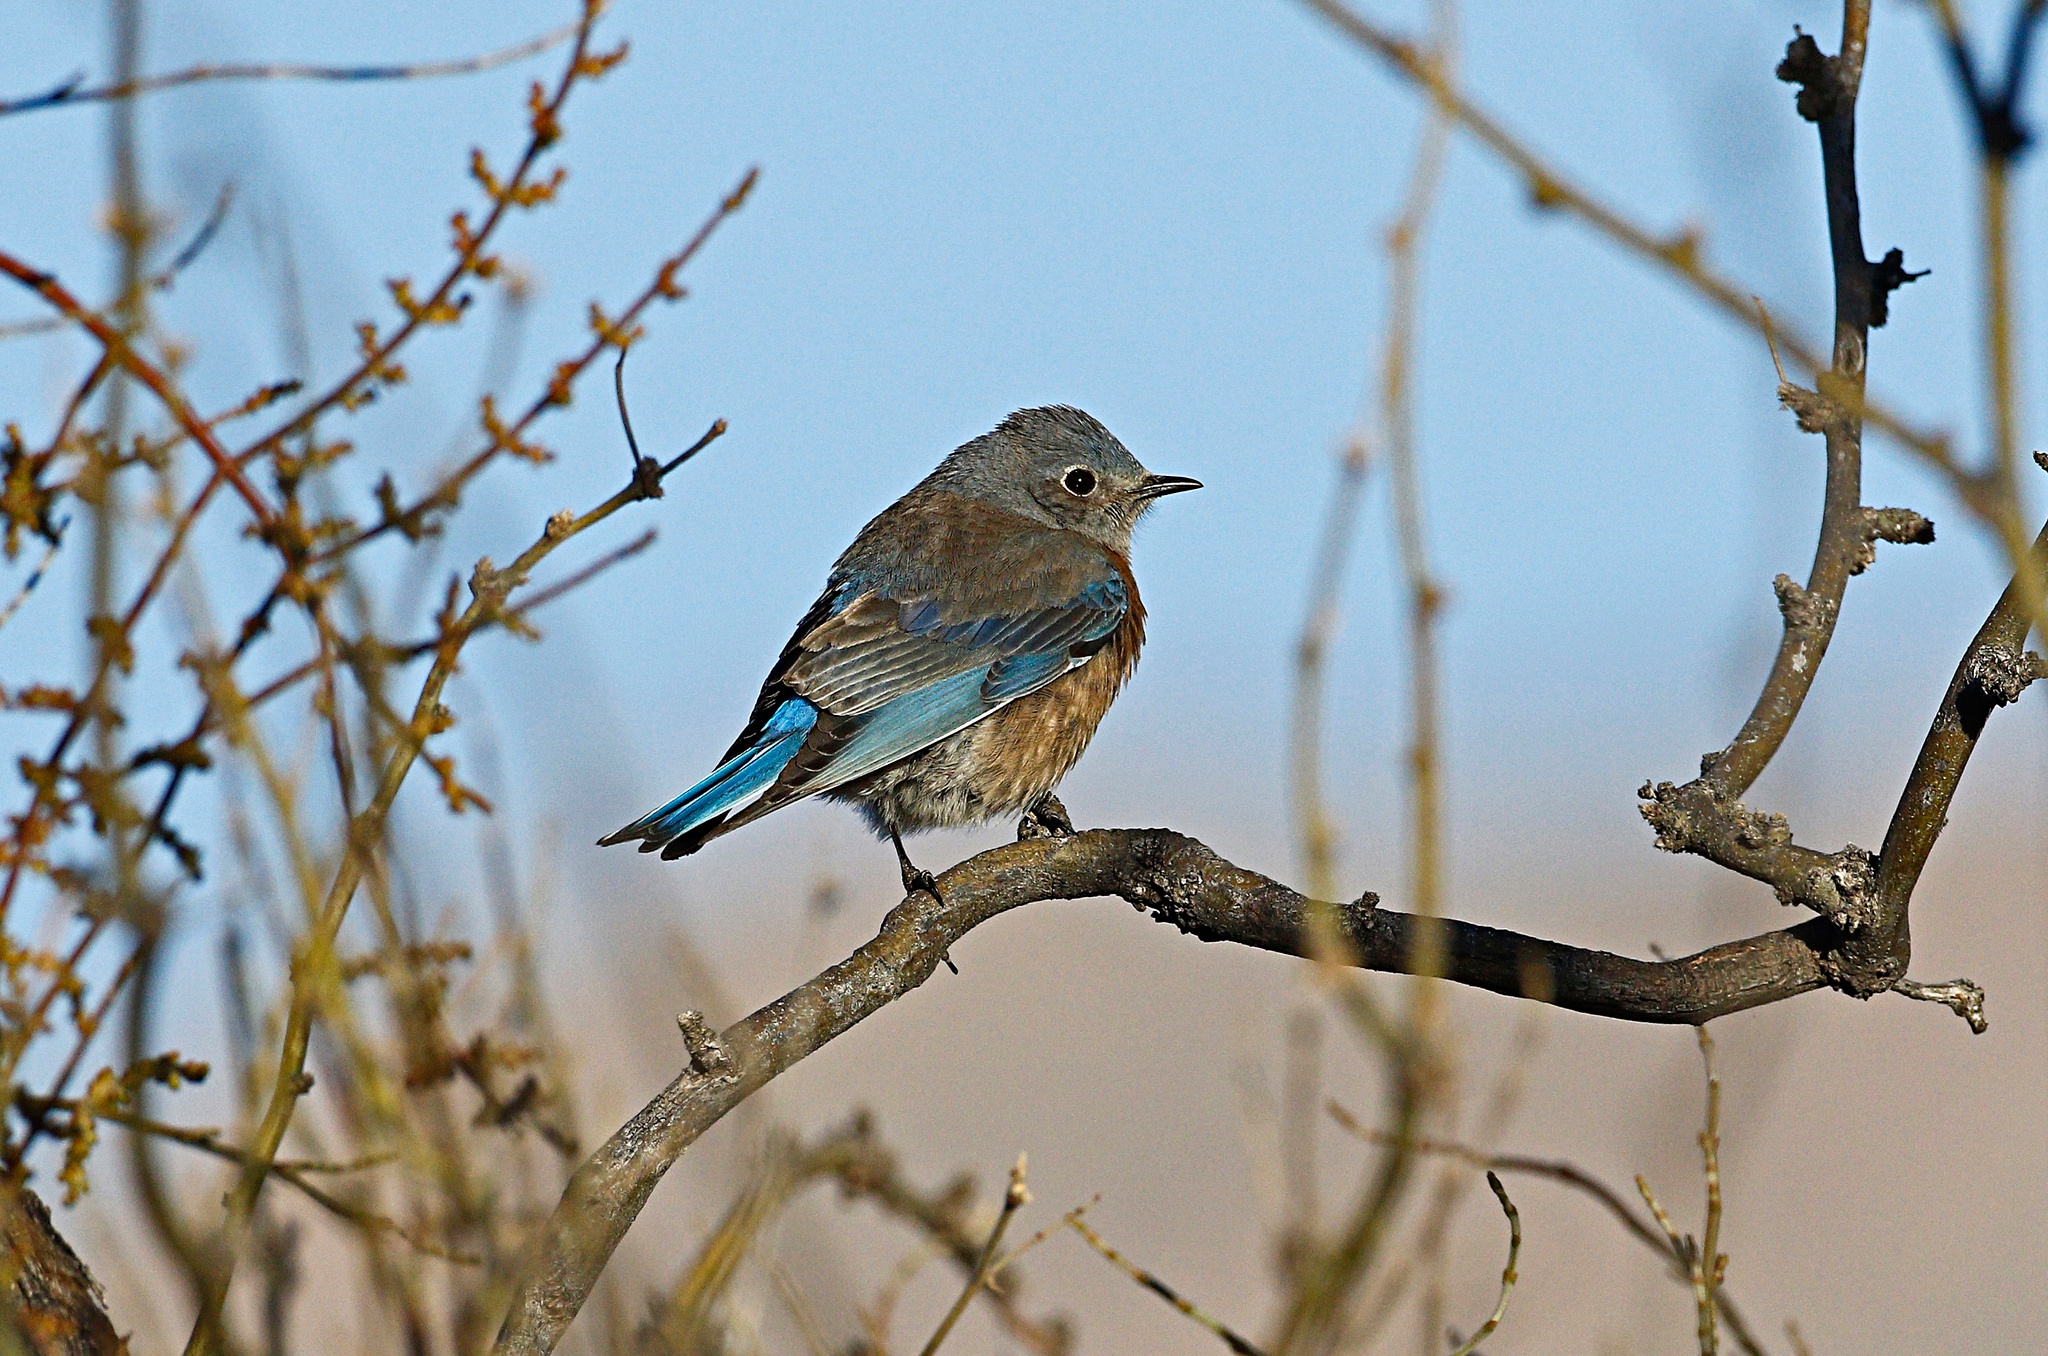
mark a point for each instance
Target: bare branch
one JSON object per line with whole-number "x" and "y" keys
{"x": 1961, "y": 996}
{"x": 75, "y": 91}
{"x": 1507, "y": 1275}
{"x": 1229, "y": 1337}
{"x": 1013, "y": 1200}
{"x": 1178, "y": 881}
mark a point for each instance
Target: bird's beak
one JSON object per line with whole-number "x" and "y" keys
{"x": 1156, "y": 487}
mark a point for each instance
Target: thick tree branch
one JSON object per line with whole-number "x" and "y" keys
{"x": 1178, "y": 881}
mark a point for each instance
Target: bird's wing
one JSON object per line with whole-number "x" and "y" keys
{"x": 893, "y": 675}
{"x": 903, "y": 649}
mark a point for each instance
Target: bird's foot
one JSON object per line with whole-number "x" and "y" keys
{"x": 1047, "y": 819}
{"x": 916, "y": 882}
{"x": 921, "y": 882}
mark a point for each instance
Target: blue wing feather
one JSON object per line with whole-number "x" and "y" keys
{"x": 919, "y": 719}
{"x": 1018, "y": 675}
{"x": 899, "y": 728}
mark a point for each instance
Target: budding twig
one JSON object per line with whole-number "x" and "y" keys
{"x": 1014, "y": 1200}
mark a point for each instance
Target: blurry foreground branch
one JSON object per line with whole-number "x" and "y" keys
{"x": 75, "y": 91}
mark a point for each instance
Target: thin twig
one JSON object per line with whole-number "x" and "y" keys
{"x": 1425, "y": 594}
{"x": 124, "y": 355}
{"x": 1507, "y": 1275}
{"x": 1708, "y": 1268}
{"x": 35, "y": 577}
{"x": 799, "y": 1308}
{"x": 75, "y": 91}
{"x": 1160, "y": 1288}
{"x": 1578, "y": 1179}
{"x": 1313, "y": 826}
{"x": 294, "y": 1173}
{"x": 1013, "y": 1200}
{"x": 201, "y": 238}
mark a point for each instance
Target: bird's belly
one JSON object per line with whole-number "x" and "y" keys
{"x": 999, "y": 766}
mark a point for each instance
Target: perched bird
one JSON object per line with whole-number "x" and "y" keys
{"x": 964, "y": 649}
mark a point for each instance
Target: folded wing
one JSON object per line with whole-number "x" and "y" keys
{"x": 887, "y": 664}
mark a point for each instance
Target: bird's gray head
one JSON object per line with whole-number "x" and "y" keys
{"x": 1059, "y": 466}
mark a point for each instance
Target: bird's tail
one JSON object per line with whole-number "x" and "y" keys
{"x": 702, "y": 812}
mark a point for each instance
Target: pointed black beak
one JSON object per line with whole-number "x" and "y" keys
{"x": 1156, "y": 487}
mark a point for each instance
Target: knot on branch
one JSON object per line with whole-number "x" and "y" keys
{"x": 708, "y": 1054}
{"x": 2002, "y": 674}
{"x": 1802, "y": 610}
{"x": 646, "y": 478}
{"x": 1903, "y": 527}
{"x": 1887, "y": 276}
{"x": 1867, "y": 963}
{"x": 1818, "y": 75}
{"x": 1843, "y": 890}
{"x": 1995, "y": 677}
{"x": 490, "y": 586}
{"x": 1814, "y": 412}
{"x": 1692, "y": 817}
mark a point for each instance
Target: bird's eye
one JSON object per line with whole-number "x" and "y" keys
{"x": 1079, "y": 480}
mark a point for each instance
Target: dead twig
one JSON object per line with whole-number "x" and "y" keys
{"x": 1578, "y": 1179}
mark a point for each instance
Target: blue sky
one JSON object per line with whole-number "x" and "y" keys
{"x": 1170, "y": 215}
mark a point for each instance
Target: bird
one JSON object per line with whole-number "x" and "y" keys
{"x": 961, "y": 655}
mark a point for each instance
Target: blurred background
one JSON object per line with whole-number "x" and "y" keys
{"x": 1171, "y": 215}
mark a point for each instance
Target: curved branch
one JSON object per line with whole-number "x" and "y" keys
{"x": 1828, "y": 89}
{"x": 1178, "y": 881}
{"x": 1706, "y": 816}
{"x": 1993, "y": 672}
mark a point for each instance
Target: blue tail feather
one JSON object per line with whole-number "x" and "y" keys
{"x": 737, "y": 779}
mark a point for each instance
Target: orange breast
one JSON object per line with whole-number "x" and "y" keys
{"x": 1029, "y": 745}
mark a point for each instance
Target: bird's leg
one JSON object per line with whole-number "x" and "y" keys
{"x": 915, "y": 880}
{"x": 1047, "y": 819}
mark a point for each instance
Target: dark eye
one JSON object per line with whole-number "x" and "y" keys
{"x": 1079, "y": 481}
